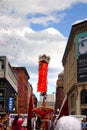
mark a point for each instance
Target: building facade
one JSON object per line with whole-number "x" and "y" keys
{"x": 23, "y": 89}
{"x": 15, "y": 89}
{"x": 8, "y": 87}
{"x": 59, "y": 92}
{"x": 75, "y": 69}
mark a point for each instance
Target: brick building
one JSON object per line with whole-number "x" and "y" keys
{"x": 59, "y": 91}
{"x": 23, "y": 85}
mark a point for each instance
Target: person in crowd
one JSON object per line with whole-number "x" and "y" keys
{"x": 38, "y": 122}
{"x": 68, "y": 123}
{"x": 17, "y": 122}
{"x": 1, "y": 124}
{"x": 6, "y": 123}
{"x": 84, "y": 123}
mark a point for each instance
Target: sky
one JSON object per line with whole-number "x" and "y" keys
{"x": 31, "y": 28}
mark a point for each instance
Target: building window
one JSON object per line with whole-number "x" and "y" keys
{"x": 84, "y": 96}
{"x": 1, "y": 64}
{"x": 2, "y": 93}
{"x": 1, "y": 105}
{"x": 84, "y": 112}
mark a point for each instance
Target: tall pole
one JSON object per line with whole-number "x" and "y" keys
{"x": 42, "y": 80}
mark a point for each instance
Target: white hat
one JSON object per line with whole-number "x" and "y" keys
{"x": 68, "y": 123}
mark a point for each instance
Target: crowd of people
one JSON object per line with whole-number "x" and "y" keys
{"x": 16, "y": 123}
{"x": 4, "y": 122}
{"x": 64, "y": 123}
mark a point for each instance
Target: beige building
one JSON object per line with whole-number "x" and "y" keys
{"x": 75, "y": 69}
{"x": 8, "y": 87}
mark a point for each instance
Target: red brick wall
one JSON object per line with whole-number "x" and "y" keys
{"x": 22, "y": 90}
{"x": 59, "y": 96}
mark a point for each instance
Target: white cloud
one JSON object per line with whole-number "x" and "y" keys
{"x": 19, "y": 9}
{"x": 39, "y": 6}
{"x": 24, "y": 46}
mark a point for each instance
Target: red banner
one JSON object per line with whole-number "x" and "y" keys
{"x": 42, "y": 79}
{"x": 64, "y": 107}
{"x": 30, "y": 108}
{"x": 30, "y": 113}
